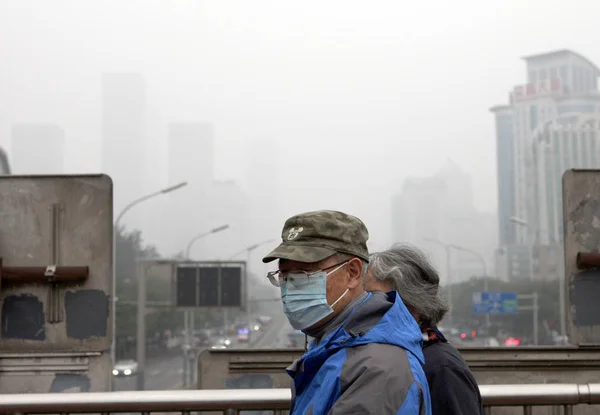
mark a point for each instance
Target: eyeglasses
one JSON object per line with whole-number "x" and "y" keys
{"x": 278, "y": 277}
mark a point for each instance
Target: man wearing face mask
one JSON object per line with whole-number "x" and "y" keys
{"x": 367, "y": 354}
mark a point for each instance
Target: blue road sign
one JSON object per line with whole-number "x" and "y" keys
{"x": 495, "y": 303}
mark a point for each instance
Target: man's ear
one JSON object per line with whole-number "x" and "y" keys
{"x": 354, "y": 268}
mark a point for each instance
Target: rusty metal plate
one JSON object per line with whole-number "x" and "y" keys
{"x": 581, "y": 226}
{"x": 53, "y": 222}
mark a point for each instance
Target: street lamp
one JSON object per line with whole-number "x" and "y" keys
{"x": 477, "y": 255}
{"x": 115, "y": 230}
{"x": 518, "y": 221}
{"x": 561, "y": 282}
{"x": 189, "y": 318}
{"x": 251, "y": 248}
{"x": 202, "y": 235}
{"x": 248, "y": 250}
{"x": 448, "y": 248}
{"x": 144, "y": 198}
{"x": 142, "y": 267}
{"x": 485, "y": 273}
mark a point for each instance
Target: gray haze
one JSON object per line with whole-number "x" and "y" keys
{"x": 356, "y": 96}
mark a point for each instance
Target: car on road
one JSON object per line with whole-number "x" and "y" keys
{"x": 243, "y": 334}
{"x": 222, "y": 343}
{"x": 125, "y": 368}
{"x": 468, "y": 335}
{"x": 512, "y": 342}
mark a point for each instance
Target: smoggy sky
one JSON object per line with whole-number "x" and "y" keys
{"x": 357, "y": 95}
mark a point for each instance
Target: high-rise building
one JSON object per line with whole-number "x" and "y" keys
{"x": 123, "y": 135}
{"x": 514, "y": 262}
{"x": 566, "y": 142}
{"x": 262, "y": 180}
{"x": 228, "y": 206}
{"x": 191, "y": 160}
{"x": 434, "y": 211}
{"x": 569, "y": 141}
{"x": 544, "y": 130}
{"x": 558, "y": 83}
{"x": 418, "y": 210}
{"x": 37, "y": 148}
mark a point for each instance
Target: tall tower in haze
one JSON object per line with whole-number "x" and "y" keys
{"x": 438, "y": 210}
{"x": 191, "y": 159}
{"x": 37, "y": 149}
{"x": 263, "y": 181}
{"x": 558, "y": 83}
{"x": 123, "y": 134}
{"x": 543, "y": 130}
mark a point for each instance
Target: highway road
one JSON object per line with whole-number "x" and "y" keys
{"x": 166, "y": 373}
{"x": 275, "y": 335}
{"x": 161, "y": 374}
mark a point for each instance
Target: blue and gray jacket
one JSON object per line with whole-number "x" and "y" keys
{"x": 368, "y": 361}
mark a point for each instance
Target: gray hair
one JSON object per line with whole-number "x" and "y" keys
{"x": 411, "y": 273}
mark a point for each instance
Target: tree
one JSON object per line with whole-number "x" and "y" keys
{"x": 129, "y": 247}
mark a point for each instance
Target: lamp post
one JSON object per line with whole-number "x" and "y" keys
{"x": 485, "y": 273}
{"x": 149, "y": 196}
{"x": 251, "y": 248}
{"x": 115, "y": 230}
{"x": 448, "y": 248}
{"x": 189, "y": 322}
{"x": 142, "y": 267}
{"x": 248, "y": 250}
{"x": 561, "y": 281}
{"x": 202, "y": 235}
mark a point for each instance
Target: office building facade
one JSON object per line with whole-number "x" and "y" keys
{"x": 532, "y": 155}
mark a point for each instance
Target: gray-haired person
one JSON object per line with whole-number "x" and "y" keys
{"x": 407, "y": 270}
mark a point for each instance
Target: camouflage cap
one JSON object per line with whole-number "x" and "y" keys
{"x": 313, "y": 236}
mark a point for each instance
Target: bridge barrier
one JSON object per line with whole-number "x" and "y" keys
{"x": 565, "y": 396}
{"x": 258, "y": 369}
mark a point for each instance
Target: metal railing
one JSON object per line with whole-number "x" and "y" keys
{"x": 232, "y": 401}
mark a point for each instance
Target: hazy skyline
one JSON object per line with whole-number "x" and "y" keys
{"x": 357, "y": 96}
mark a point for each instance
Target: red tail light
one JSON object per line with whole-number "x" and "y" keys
{"x": 511, "y": 341}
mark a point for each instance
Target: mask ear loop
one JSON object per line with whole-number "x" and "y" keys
{"x": 338, "y": 300}
{"x": 305, "y": 343}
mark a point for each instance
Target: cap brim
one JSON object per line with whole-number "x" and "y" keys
{"x": 300, "y": 253}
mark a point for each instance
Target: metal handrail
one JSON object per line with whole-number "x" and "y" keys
{"x": 540, "y": 394}
{"x": 265, "y": 399}
{"x": 146, "y": 401}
